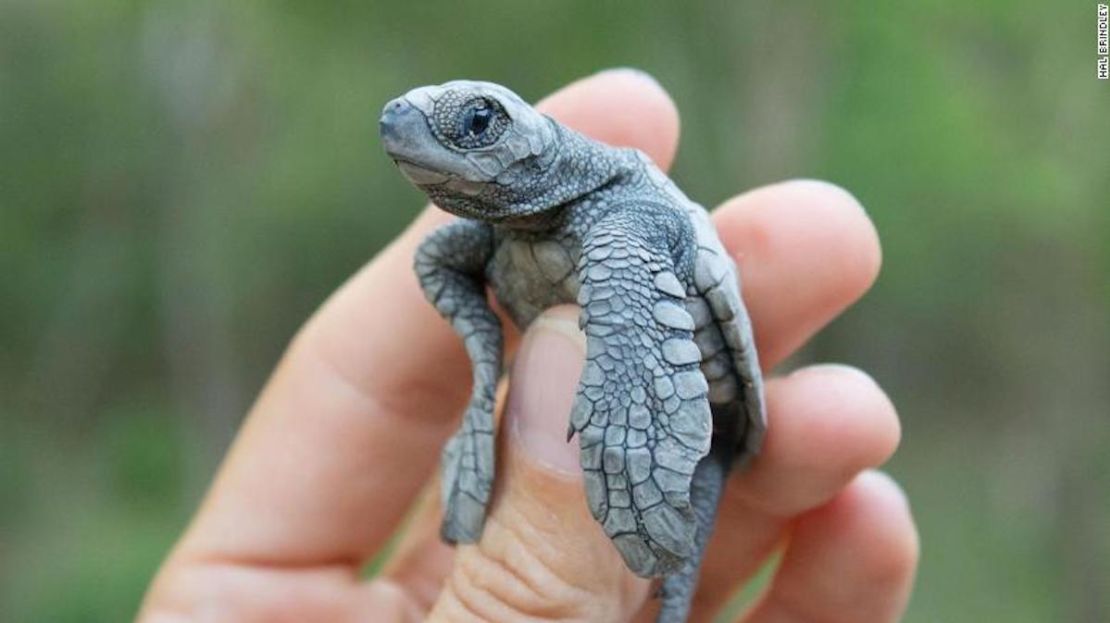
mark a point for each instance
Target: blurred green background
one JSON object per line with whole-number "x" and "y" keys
{"x": 182, "y": 183}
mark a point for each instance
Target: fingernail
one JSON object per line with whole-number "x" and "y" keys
{"x": 542, "y": 384}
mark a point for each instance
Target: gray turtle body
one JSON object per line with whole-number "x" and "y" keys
{"x": 671, "y": 393}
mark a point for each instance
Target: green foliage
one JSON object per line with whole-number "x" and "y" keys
{"x": 143, "y": 460}
{"x": 184, "y": 182}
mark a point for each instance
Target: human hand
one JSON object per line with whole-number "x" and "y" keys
{"x": 346, "y": 436}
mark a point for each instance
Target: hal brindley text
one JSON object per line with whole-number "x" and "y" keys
{"x": 1103, "y": 42}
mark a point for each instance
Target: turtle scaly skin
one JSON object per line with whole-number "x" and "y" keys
{"x": 671, "y": 394}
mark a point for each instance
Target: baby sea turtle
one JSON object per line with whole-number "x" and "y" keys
{"x": 671, "y": 395}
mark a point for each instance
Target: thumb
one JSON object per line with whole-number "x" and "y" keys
{"x": 541, "y": 555}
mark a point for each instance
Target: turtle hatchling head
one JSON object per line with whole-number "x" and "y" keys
{"x": 474, "y": 147}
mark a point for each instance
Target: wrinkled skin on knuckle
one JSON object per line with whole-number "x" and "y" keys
{"x": 507, "y": 578}
{"x": 526, "y": 566}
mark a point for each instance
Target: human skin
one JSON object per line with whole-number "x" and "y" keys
{"x": 345, "y": 438}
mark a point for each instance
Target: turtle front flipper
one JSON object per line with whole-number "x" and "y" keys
{"x": 450, "y": 264}
{"x": 641, "y": 411}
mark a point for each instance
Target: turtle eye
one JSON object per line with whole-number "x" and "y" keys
{"x": 477, "y": 119}
{"x": 469, "y": 123}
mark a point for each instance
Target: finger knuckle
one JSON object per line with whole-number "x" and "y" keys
{"x": 504, "y": 579}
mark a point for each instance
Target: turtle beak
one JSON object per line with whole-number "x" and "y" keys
{"x": 406, "y": 138}
{"x": 399, "y": 124}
